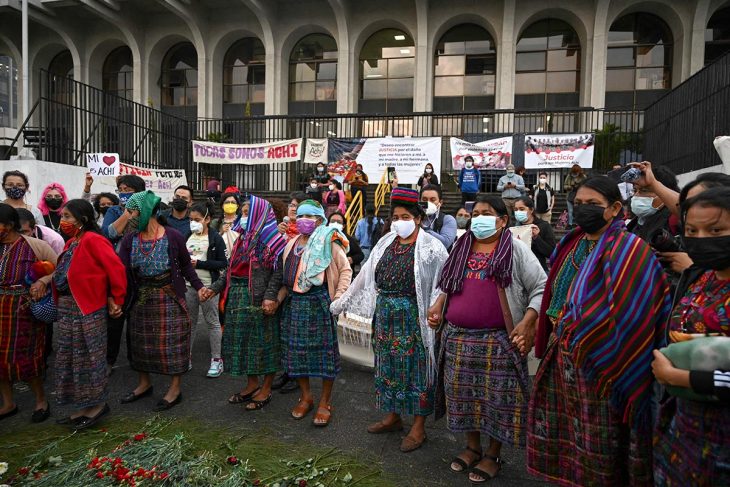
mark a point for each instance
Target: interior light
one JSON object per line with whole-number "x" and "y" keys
{"x": 400, "y": 37}
{"x": 405, "y": 51}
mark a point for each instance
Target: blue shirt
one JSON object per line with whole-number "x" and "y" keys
{"x": 111, "y": 215}
{"x": 182, "y": 225}
{"x": 447, "y": 234}
{"x": 470, "y": 180}
{"x": 363, "y": 235}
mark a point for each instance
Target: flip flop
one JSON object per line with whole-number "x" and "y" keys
{"x": 255, "y": 405}
{"x": 486, "y": 476}
{"x": 462, "y": 463}
{"x": 239, "y": 398}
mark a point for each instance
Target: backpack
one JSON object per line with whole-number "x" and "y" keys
{"x": 376, "y": 232}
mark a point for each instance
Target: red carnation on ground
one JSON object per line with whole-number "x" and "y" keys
{"x": 23, "y": 470}
{"x": 233, "y": 460}
{"x": 140, "y": 436}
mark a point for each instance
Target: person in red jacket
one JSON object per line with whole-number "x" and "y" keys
{"x": 89, "y": 281}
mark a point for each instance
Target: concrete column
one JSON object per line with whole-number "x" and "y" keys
{"x": 422, "y": 79}
{"x": 505, "y": 93}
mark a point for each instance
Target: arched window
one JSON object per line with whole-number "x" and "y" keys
{"x": 8, "y": 91}
{"x": 548, "y": 66}
{"x": 387, "y": 64}
{"x": 244, "y": 78}
{"x": 62, "y": 65}
{"x": 638, "y": 61}
{"x": 180, "y": 76}
{"x": 116, "y": 77}
{"x": 465, "y": 67}
{"x": 717, "y": 35}
{"x": 313, "y": 75}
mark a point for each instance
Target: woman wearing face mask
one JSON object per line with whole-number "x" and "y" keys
{"x": 17, "y": 187}
{"x": 428, "y": 177}
{"x": 314, "y": 190}
{"x": 470, "y": 180}
{"x": 231, "y": 208}
{"x": 692, "y": 438}
{"x": 359, "y": 184}
{"x": 89, "y": 281}
{"x": 313, "y": 270}
{"x": 651, "y": 215}
{"x": 355, "y": 254}
{"x": 158, "y": 264}
{"x": 334, "y": 198}
{"x": 102, "y": 203}
{"x": 52, "y": 200}
{"x": 395, "y": 288}
{"x": 543, "y": 238}
{"x": 483, "y": 354}
{"x": 544, "y": 198}
{"x": 463, "y": 218}
{"x": 320, "y": 176}
{"x": 602, "y": 314}
{"x": 208, "y": 255}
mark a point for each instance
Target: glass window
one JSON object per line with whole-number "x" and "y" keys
{"x": 244, "y": 72}
{"x": 547, "y": 63}
{"x": 387, "y": 64}
{"x": 717, "y": 35}
{"x": 313, "y": 59}
{"x": 639, "y": 59}
{"x": 179, "y": 78}
{"x": 8, "y": 91}
{"x": 465, "y": 65}
{"x": 116, "y": 77}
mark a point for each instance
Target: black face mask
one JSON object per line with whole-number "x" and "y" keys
{"x": 179, "y": 205}
{"x": 589, "y": 217}
{"x": 102, "y": 210}
{"x": 54, "y": 203}
{"x": 709, "y": 252}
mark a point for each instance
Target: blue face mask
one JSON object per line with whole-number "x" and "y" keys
{"x": 124, "y": 197}
{"x": 244, "y": 222}
{"x": 642, "y": 206}
{"x": 521, "y": 216}
{"x": 483, "y": 226}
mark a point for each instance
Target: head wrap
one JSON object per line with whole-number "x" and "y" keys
{"x": 310, "y": 207}
{"x": 405, "y": 197}
{"x": 143, "y": 202}
{"x": 42, "y": 203}
{"x": 260, "y": 241}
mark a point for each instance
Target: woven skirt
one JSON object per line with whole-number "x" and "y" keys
{"x": 81, "y": 356}
{"x": 159, "y": 330}
{"x": 400, "y": 358}
{"x": 692, "y": 444}
{"x": 22, "y": 338}
{"x": 309, "y": 335}
{"x": 574, "y": 436}
{"x": 250, "y": 339}
{"x": 485, "y": 383}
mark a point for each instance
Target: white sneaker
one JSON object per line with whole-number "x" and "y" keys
{"x": 216, "y": 367}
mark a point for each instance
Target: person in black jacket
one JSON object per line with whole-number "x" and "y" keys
{"x": 543, "y": 238}
{"x": 208, "y": 255}
{"x": 354, "y": 254}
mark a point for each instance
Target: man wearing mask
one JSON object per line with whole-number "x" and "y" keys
{"x": 544, "y": 198}
{"x": 470, "y": 179}
{"x": 511, "y": 186}
{"x": 436, "y": 223}
{"x": 116, "y": 220}
{"x": 179, "y": 219}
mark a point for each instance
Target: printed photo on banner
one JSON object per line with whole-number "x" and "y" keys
{"x": 103, "y": 164}
{"x": 490, "y": 154}
{"x": 316, "y": 151}
{"x": 342, "y": 156}
{"x": 559, "y": 151}
{"x": 249, "y": 154}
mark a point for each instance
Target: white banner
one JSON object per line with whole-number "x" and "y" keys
{"x": 249, "y": 154}
{"x": 558, "y": 151}
{"x": 103, "y": 164}
{"x": 316, "y": 151}
{"x": 408, "y": 155}
{"x": 489, "y": 154}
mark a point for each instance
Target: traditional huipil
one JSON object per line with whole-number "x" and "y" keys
{"x": 602, "y": 315}
{"x": 482, "y": 373}
{"x": 88, "y": 272}
{"x": 251, "y": 343}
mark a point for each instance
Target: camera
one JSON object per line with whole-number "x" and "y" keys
{"x": 663, "y": 241}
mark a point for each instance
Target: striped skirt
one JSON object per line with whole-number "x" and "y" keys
{"x": 159, "y": 330}
{"x": 574, "y": 436}
{"x": 400, "y": 358}
{"x": 485, "y": 383}
{"x": 22, "y": 337}
{"x": 692, "y": 444}
{"x": 309, "y": 335}
{"x": 250, "y": 339}
{"x": 81, "y": 356}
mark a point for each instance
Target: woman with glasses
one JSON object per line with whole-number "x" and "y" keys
{"x": 17, "y": 187}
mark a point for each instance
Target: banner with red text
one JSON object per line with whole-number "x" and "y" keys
{"x": 559, "y": 151}
{"x": 490, "y": 154}
{"x": 249, "y": 154}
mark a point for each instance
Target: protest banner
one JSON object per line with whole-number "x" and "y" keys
{"x": 249, "y": 154}
{"x": 544, "y": 151}
{"x": 162, "y": 181}
{"x": 103, "y": 164}
{"x": 316, "y": 151}
{"x": 493, "y": 154}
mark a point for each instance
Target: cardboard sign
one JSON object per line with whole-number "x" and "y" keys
{"x": 103, "y": 164}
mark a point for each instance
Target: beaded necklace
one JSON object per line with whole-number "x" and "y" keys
{"x": 405, "y": 248}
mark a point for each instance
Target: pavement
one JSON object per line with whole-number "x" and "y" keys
{"x": 353, "y": 409}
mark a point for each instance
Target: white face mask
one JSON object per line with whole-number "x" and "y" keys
{"x": 337, "y": 225}
{"x": 312, "y": 185}
{"x": 332, "y": 187}
{"x": 196, "y": 227}
{"x": 469, "y": 164}
{"x": 320, "y": 169}
{"x": 432, "y": 209}
{"x": 543, "y": 180}
{"x": 429, "y": 170}
{"x": 404, "y": 228}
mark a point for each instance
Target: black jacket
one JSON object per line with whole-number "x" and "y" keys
{"x": 216, "y": 257}
{"x": 544, "y": 244}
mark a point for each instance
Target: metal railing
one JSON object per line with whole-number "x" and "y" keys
{"x": 354, "y": 213}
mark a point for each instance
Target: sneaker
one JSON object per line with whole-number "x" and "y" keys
{"x": 216, "y": 367}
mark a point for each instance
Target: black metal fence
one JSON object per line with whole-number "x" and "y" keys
{"x": 680, "y": 126}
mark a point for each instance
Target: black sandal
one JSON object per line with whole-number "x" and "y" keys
{"x": 239, "y": 398}
{"x": 486, "y": 476}
{"x": 254, "y": 405}
{"x": 462, "y": 463}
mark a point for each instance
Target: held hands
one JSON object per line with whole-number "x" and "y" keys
{"x": 207, "y": 294}
{"x": 37, "y": 290}
{"x": 269, "y": 307}
{"x": 201, "y": 295}
{"x": 523, "y": 336}
{"x": 115, "y": 311}
{"x": 435, "y": 315}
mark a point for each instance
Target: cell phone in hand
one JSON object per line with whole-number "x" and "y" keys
{"x": 423, "y": 205}
{"x": 631, "y": 175}
{"x": 391, "y": 174}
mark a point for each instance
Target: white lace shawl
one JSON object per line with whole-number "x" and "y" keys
{"x": 360, "y": 297}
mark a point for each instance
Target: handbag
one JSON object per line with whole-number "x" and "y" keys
{"x": 45, "y": 309}
{"x": 707, "y": 353}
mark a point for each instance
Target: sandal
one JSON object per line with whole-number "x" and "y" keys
{"x": 302, "y": 408}
{"x": 486, "y": 476}
{"x": 462, "y": 463}
{"x": 323, "y": 416}
{"x": 255, "y": 405}
{"x": 239, "y": 398}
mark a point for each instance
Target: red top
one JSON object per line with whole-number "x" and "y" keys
{"x": 95, "y": 273}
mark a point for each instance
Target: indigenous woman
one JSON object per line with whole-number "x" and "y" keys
{"x": 493, "y": 285}
{"x": 395, "y": 287}
{"x": 314, "y": 270}
{"x": 52, "y": 200}
{"x": 602, "y": 314}
{"x": 251, "y": 344}
{"x": 334, "y": 198}
{"x": 691, "y": 437}
{"x": 22, "y": 336}
{"x": 158, "y": 264}
{"x": 89, "y": 280}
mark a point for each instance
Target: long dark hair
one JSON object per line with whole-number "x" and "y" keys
{"x": 83, "y": 212}
{"x": 707, "y": 180}
{"x": 494, "y": 201}
{"x": 110, "y": 196}
{"x": 717, "y": 197}
{"x": 8, "y": 216}
{"x": 16, "y": 173}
